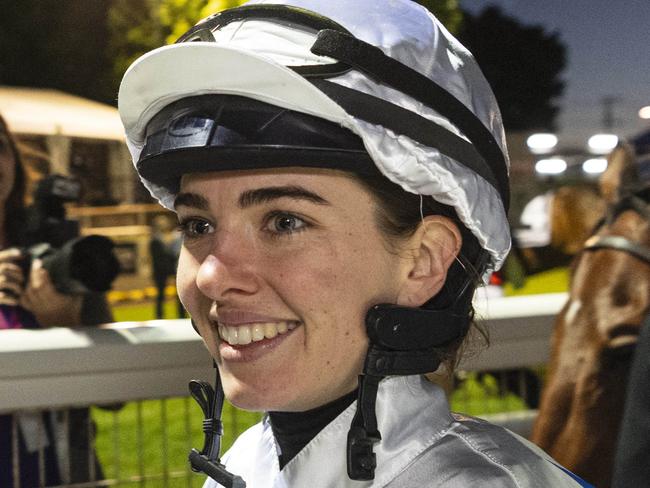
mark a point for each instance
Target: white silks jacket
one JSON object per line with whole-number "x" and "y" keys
{"x": 423, "y": 445}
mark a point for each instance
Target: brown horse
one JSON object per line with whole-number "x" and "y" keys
{"x": 573, "y": 213}
{"x": 595, "y": 333}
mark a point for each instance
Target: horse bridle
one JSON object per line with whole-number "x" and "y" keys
{"x": 639, "y": 202}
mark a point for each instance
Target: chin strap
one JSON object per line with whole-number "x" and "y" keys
{"x": 207, "y": 461}
{"x": 403, "y": 341}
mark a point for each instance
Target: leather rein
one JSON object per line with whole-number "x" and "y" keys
{"x": 634, "y": 202}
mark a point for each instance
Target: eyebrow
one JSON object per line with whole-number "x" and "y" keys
{"x": 268, "y": 194}
{"x": 191, "y": 200}
{"x": 250, "y": 198}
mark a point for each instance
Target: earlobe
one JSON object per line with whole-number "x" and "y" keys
{"x": 435, "y": 246}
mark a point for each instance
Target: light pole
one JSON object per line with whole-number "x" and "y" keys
{"x": 554, "y": 162}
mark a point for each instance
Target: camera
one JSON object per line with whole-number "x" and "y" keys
{"x": 75, "y": 264}
{"x": 82, "y": 265}
{"x": 45, "y": 218}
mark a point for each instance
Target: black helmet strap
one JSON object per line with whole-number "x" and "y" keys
{"x": 481, "y": 154}
{"x": 371, "y": 60}
{"x": 207, "y": 461}
{"x": 403, "y": 341}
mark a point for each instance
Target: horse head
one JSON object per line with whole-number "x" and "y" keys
{"x": 595, "y": 333}
{"x": 564, "y": 219}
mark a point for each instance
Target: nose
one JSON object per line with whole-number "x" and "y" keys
{"x": 228, "y": 269}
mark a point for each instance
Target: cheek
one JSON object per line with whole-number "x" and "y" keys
{"x": 188, "y": 292}
{"x": 336, "y": 282}
{"x": 194, "y": 301}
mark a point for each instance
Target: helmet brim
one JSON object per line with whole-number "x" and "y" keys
{"x": 173, "y": 72}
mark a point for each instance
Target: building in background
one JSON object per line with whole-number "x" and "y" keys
{"x": 82, "y": 138}
{"x": 73, "y": 136}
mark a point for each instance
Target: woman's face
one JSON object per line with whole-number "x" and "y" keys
{"x": 278, "y": 269}
{"x": 7, "y": 169}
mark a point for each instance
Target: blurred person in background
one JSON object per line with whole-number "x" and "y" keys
{"x": 32, "y": 302}
{"x": 164, "y": 248}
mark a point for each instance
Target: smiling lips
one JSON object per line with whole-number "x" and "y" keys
{"x": 243, "y": 334}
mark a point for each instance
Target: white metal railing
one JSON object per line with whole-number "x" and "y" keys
{"x": 59, "y": 368}
{"x": 520, "y": 329}
{"x": 94, "y": 365}
{"x": 138, "y": 360}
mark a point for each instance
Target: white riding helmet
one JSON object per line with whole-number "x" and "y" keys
{"x": 387, "y": 71}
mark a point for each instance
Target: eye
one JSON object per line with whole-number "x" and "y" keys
{"x": 285, "y": 223}
{"x": 194, "y": 228}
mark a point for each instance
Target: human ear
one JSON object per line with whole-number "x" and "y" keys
{"x": 435, "y": 245}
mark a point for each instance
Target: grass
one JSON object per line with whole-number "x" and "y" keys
{"x": 555, "y": 280}
{"x": 169, "y": 428}
{"x": 142, "y": 311}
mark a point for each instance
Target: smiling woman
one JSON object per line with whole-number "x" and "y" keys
{"x": 272, "y": 264}
{"x": 339, "y": 206}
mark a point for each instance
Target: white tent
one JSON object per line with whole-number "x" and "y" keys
{"x": 39, "y": 111}
{"x": 59, "y": 118}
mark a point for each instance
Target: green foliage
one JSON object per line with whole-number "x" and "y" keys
{"x": 447, "y": 11}
{"x": 180, "y": 15}
{"x": 138, "y": 26}
{"x": 477, "y": 396}
{"x": 135, "y": 28}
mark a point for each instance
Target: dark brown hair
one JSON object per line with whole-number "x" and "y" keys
{"x": 15, "y": 204}
{"x": 399, "y": 213}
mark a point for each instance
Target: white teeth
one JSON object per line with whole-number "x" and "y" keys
{"x": 245, "y": 334}
{"x": 232, "y": 335}
{"x": 270, "y": 330}
{"x": 258, "y": 333}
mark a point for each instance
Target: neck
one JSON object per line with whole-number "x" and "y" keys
{"x": 294, "y": 430}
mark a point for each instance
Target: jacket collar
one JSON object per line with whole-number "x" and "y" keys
{"x": 411, "y": 414}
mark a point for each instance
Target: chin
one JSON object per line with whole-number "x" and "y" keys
{"x": 254, "y": 398}
{"x": 254, "y": 403}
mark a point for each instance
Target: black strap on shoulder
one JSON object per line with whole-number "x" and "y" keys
{"x": 382, "y": 68}
{"x": 375, "y": 110}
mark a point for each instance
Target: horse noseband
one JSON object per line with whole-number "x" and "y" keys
{"x": 618, "y": 243}
{"x": 637, "y": 203}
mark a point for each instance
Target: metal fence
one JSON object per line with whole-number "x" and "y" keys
{"x": 141, "y": 422}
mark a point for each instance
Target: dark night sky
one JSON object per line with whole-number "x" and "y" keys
{"x": 608, "y": 48}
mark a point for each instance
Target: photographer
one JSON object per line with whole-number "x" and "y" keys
{"x": 31, "y": 300}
